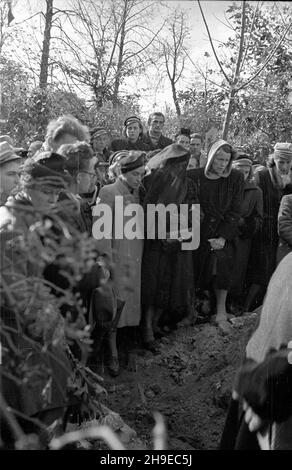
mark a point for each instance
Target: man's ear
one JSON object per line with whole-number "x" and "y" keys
{"x": 78, "y": 177}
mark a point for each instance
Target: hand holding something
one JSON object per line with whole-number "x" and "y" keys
{"x": 217, "y": 243}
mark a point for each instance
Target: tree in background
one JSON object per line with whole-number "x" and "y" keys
{"x": 173, "y": 52}
{"x": 107, "y": 43}
{"x": 254, "y": 49}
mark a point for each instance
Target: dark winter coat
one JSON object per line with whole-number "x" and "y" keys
{"x": 249, "y": 223}
{"x": 126, "y": 144}
{"x": 162, "y": 142}
{"x": 220, "y": 202}
{"x": 265, "y": 243}
{"x": 167, "y": 270}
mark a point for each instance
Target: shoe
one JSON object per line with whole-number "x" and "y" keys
{"x": 113, "y": 366}
{"x": 158, "y": 333}
{"x": 225, "y": 326}
{"x": 151, "y": 346}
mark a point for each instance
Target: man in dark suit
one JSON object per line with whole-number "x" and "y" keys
{"x": 154, "y": 137}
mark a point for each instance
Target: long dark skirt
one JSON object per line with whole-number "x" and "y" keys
{"x": 262, "y": 262}
{"x": 214, "y": 268}
{"x": 239, "y": 271}
{"x": 167, "y": 276}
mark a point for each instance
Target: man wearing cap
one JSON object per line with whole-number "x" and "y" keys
{"x": 125, "y": 253}
{"x": 154, "y": 137}
{"x": 132, "y": 133}
{"x": 274, "y": 181}
{"x": 9, "y": 170}
{"x": 100, "y": 142}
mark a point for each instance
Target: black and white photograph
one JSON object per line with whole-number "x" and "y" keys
{"x": 145, "y": 228}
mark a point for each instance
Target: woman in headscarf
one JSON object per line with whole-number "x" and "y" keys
{"x": 167, "y": 272}
{"x": 220, "y": 192}
{"x": 251, "y": 213}
{"x": 132, "y": 133}
{"x": 274, "y": 181}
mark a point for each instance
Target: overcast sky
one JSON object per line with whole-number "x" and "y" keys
{"x": 160, "y": 95}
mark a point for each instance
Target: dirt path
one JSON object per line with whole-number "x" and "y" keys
{"x": 189, "y": 382}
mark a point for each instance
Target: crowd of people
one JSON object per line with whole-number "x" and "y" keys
{"x": 139, "y": 288}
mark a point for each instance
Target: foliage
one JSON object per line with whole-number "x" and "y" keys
{"x": 110, "y": 40}
{"x": 261, "y": 110}
{"x": 32, "y": 324}
{"x": 26, "y": 110}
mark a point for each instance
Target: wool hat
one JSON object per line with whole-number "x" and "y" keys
{"x": 243, "y": 161}
{"x": 47, "y": 168}
{"x": 7, "y": 153}
{"x": 171, "y": 151}
{"x": 283, "y": 150}
{"x": 132, "y": 120}
{"x": 134, "y": 160}
{"x": 97, "y": 132}
{"x": 117, "y": 156}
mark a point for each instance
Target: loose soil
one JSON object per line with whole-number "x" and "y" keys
{"x": 189, "y": 382}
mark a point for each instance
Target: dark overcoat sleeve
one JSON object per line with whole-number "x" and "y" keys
{"x": 285, "y": 219}
{"x": 228, "y": 227}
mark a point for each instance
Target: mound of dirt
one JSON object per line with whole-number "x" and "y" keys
{"x": 189, "y": 382}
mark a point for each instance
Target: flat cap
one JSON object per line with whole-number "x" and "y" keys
{"x": 7, "y": 153}
{"x": 283, "y": 150}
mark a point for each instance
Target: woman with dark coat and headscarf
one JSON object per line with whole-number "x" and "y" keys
{"x": 275, "y": 182}
{"x": 132, "y": 132}
{"x": 167, "y": 271}
{"x": 249, "y": 223}
{"x": 220, "y": 192}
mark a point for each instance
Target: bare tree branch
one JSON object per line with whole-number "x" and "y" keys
{"x": 272, "y": 53}
{"x": 249, "y": 37}
{"x": 212, "y": 45}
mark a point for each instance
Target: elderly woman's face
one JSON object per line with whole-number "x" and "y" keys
{"x": 45, "y": 197}
{"x": 220, "y": 161}
{"x": 133, "y": 131}
{"x": 283, "y": 165}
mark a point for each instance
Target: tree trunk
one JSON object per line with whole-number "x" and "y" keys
{"x": 233, "y": 90}
{"x": 120, "y": 59}
{"x": 175, "y": 100}
{"x": 43, "y": 81}
{"x": 228, "y": 114}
